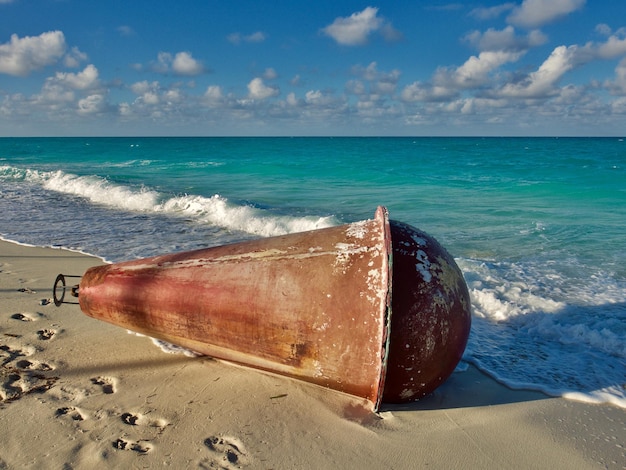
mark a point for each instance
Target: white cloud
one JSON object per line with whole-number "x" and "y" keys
{"x": 535, "y": 13}
{"x": 185, "y": 64}
{"x": 148, "y": 92}
{"x": 541, "y": 83}
{"x": 260, "y": 91}
{"x": 313, "y": 96}
{"x": 612, "y": 48}
{"x": 380, "y": 82}
{"x": 213, "y": 92}
{"x": 292, "y": 100}
{"x": 73, "y": 58}
{"x": 618, "y": 86}
{"x": 475, "y": 71}
{"x": 173, "y": 96}
{"x": 141, "y": 87}
{"x": 489, "y": 13}
{"x": 356, "y": 87}
{"x": 505, "y": 40}
{"x": 355, "y": 29}
{"x": 164, "y": 59}
{"x": 84, "y": 80}
{"x": 150, "y": 98}
{"x": 424, "y": 92}
{"x": 213, "y": 97}
{"x": 53, "y": 92}
{"x": 238, "y": 38}
{"x": 91, "y": 104}
{"x": 21, "y": 56}
{"x": 182, "y": 63}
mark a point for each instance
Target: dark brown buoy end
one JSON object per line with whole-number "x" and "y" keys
{"x": 431, "y": 315}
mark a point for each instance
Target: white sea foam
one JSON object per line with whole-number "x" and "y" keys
{"x": 215, "y": 210}
{"x": 97, "y": 190}
{"x": 531, "y": 335}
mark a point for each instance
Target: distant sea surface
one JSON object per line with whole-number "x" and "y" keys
{"x": 537, "y": 225}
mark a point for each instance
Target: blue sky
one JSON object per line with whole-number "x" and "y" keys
{"x": 245, "y": 67}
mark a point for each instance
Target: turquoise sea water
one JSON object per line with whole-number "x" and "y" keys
{"x": 536, "y": 224}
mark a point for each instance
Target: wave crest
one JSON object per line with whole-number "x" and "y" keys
{"x": 215, "y": 210}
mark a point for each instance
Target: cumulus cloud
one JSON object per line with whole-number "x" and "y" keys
{"x": 475, "y": 71}
{"x": 182, "y": 63}
{"x": 425, "y": 92}
{"x": 618, "y": 86}
{"x": 74, "y": 57}
{"x": 541, "y": 83}
{"x": 292, "y": 100}
{"x": 148, "y": 92}
{"x": 535, "y": 13}
{"x": 257, "y": 90}
{"x": 505, "y": 40}
{"x": 59, "y": 93}
{"x": 53, "y": 93}
{"x": 380, "y": 82}
{"x": 84, "y": 80}
{"x": 185, "y": 64}
{"x": 238, "y": 38}
{"x": 92, "y": 104}
{"x": 213, "y": 92}
{"x": 21, "y": 56}
{"x": 213, "y": 96}
{"x": 612, "y": 48}
{"x": 355, "y": 29}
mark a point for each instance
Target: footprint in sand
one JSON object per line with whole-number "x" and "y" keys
{"x": 108, "y": 384}
{"x": 16, "y": 384}
{"x": 138, "y": 419}
{"x": 131, "y": 419}
{"x": 20, "y": 376}
{"x": 141, "y": 447}
{"x": 72, "y": 412}
{"x": 10, "y": 353}
{"x": 25, "y": 364}
{"x": 228, "y": 453}
{"x": 46, "y": 334}
{"x": 22, "y": 317}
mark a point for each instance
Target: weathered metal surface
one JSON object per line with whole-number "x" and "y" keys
{"x": 312, "y": 305}
{"x": 317, "y": 306}
{"x": 431, "y": 316}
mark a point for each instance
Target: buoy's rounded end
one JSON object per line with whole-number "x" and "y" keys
{"x": 431, "y": 315}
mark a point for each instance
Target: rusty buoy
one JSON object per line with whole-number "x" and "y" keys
{"x": 375, "y": 309}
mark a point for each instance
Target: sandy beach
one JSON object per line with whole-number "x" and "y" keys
{"x": 76, "y": 392}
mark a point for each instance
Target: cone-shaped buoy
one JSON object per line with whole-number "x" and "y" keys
{"x": 317, "y": 306}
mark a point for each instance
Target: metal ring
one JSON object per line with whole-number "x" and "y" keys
{"x": 60, "y": 278}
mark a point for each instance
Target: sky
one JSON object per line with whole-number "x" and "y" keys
{"x": 324, "y": 67}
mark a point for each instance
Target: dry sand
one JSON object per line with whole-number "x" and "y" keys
{"x": 78, "y": 393}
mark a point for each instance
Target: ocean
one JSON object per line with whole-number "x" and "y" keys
{"x": 537, "y": 225}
